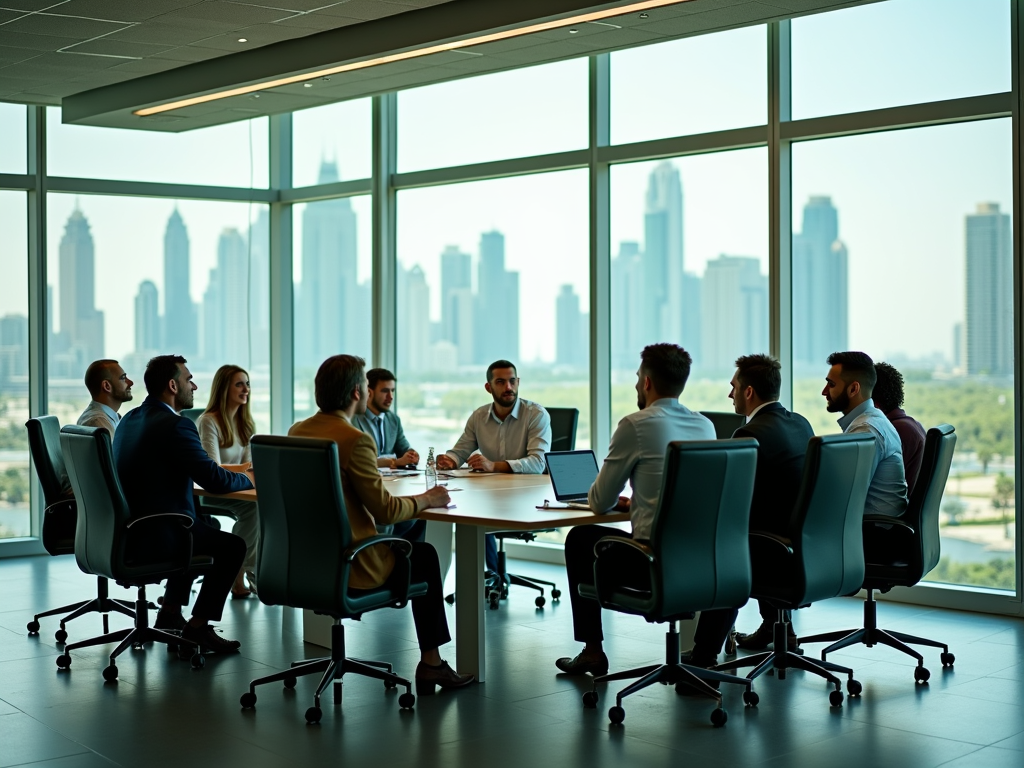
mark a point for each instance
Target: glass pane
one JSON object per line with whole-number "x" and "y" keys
{"x": 731, "y": 91}
{"x": 130, "y": 278}
{"x": 13, "y": 130}
{"x": 901, "y": 248}
{"x": 15, "y": 519}
{"x": 490, "y": 270}
{"x": 906, "y": 52}
{"x": 494, "y": 117}
{"x": 331, "y": 278}
{"x": 338, "y": 136}
{"x": 689, "y": 266}
{"x": 235, "y": 155}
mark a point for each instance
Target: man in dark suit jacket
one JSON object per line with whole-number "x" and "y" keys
{"x": 782, "y": 444}
{"x": 158, "y": 456}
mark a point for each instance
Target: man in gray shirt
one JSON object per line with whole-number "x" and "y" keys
{"x": 509, "y": 435}
{"x": 109, "y": 386}
{"x": 636, "y": 455}
{"x": 848, "y": 388}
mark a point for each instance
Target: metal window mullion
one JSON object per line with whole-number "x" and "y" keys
{"x": 780, "y": 206}
{"x": 38, "y": 332}
{"x": 385, "y": 265}
{"x": 282, "y": 295}
{"x": 600, "y": 264}
{"x": 1017, "y": 77}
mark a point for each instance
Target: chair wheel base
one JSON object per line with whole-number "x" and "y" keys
{"x": 947, "y": 659}
{"x": 64, "y": 661}
{"x": 590, "y": 700}
{"x": 110, "y": 673}
{"x": 854, "y": 688}
{"x": 555, "y": 594}
{"x": 616, "y": 715}
{"x": 198, "y": 661}
{"x": 33, "y": 627}
{"x": 835, "y": 698}
{"x": 248, "y": 700}
{"x": 313, "y": 715}
{"x": 290, "y": 682}
{"x": 719, "y": 717}
{"x": 539, "y": 602}
{"x": 406, "y": 701}
{"x": 750, "y": 698}
{"x": 61, "y": 635}
{"x": 921, "y": 675}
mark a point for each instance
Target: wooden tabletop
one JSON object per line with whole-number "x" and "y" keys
{"x": 492, "y": 500}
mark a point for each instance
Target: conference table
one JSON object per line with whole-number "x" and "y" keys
{"x": 481, "y": 502}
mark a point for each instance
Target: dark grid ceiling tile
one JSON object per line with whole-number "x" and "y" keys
{"x": 61, "y": 26}
{"x": 231, "y": 14}
{"x": 162, "y": 33}
{"x": 106, "y": 46}
{"x": 115, "y": 10}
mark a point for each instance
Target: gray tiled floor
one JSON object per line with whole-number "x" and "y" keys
{"x": 161, "y": 713}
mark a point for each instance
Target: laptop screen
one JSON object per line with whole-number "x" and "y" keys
{"x": 572, "y": 473}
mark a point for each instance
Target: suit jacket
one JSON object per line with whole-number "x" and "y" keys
{"x": 395, "y": 442}
{"x": 158, "y": 456}
{"x": 782, "y": 445}
{"x": 366, "y": 499}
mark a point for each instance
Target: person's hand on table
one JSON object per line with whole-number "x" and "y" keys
{"x": 444, "y": 461}
{"x": 623, "y": 505}
{"x": 251, "y": 474}
{"x": 409, "y": 458}
{"x": 480, "y": 463}
{"x": 436, "y": 497}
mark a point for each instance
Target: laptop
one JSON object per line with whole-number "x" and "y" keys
{"x": 572, "y": 474}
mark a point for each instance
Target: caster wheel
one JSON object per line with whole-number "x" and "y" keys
{"x": 110, "y": 673}
{"x": 854, "y": 688}
{"x": 450, "y": 599}
{"x": 61, "y": 636}
{"x": 616, "y": 715}
{"x": 492, "y": 601}
{"x": 590, "y": 700}
{"x": 835, "y": 699}
{"x": 313, "y": 715}
{"x": 719, "y": 717}
{"x": 390, "y": 685}
{"x": 539, "y": 602}
{"x": 248, "y": 700}
{"x": 555, "y": 594}
{"x": 289, "y": 682}
{"x": 33, "y": 627}
{"x": 198, "y": 661}
{"x": 750, "y": 698}
{"x": 136, "y": 646}
{"x": 64, "y": 661}
{"x": 406, "y": 700}
{"x": 921, "y": 675}
{"x": 947, "y": 659}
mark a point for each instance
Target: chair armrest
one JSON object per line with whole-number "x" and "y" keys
{"x": 608, "y": 542}
{"x": 770, "y": 539}
{"x": 880, "y": 521}
{"x": 396, "y": 543}
{"x": 185, "y": 520}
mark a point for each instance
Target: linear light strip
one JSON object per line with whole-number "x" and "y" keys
{"x": 415, "y": 54}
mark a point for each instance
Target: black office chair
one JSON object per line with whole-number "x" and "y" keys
{"x": 132, "y": 552}
{"x": 698, "y": 559}
{"x": 305, "y": 557}
{"x": 725, "y": 423}
{"x": 563, "y": 438}
{"x": 60, "y": 518}
{"x": 899, "y": 552}
{"x": 822, "y": 556}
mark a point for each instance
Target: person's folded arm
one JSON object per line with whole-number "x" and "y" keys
{"x": 201, "y": 468}
{"x": 367, "y": 485}
{"x": 616, "y": 469}
{"x": 538, "y": 443}
{"x": 465, "y": 445}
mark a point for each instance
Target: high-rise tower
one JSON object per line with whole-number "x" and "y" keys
{"x": 989, "y": 317}
{"x": 81, "y": 324}
{"x": 180, "y": 322}
{"x": 820, "y": 285}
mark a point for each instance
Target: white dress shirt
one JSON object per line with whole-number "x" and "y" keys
{"x": 521, "y": 439}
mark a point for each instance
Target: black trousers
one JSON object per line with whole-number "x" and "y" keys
{"x": 713, "y": 628}
{"x": 428, "y": 610}
{"x": 579, "y": 568}
{"x": 228, "y": 552}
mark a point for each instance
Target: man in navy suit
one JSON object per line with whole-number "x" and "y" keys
{"x": 782, "y": 438}
{"x": 158, "y": 456}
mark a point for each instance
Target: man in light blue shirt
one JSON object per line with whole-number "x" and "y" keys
{"x": 109, "y": 387}
{"x": 848, "y": 388}
{"x": 636, "y": 455}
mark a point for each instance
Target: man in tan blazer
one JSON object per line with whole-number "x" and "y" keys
{"x": 341, "y": 392}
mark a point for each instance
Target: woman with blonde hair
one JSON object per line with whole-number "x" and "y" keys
{"x": 225, "y": 427}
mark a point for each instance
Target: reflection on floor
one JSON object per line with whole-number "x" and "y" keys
{"x": 161, "y": 713}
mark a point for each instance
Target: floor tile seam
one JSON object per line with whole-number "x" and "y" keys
{"x": 961, "y": 757}
{"x": 85, "y": 749}
{"x": 930, "y": 736}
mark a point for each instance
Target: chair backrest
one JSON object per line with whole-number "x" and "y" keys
{"x": 725, "y": 423}
{"x": 923, "y": 511}
{"x": 103, "y": 514}
{"x": 826, "y": 530}
{"x": 44, "y": 445}
{"x": 563, "y": 428}
{"x": 193, "y": 413}
{"x": 304, "y": 525}
{"x": 699, "y": 533}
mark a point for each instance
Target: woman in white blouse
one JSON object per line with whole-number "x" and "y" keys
{"x": 225, "y": 428}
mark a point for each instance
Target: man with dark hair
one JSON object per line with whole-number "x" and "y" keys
{"x": 158, "y": 456}
{"x": 509, "y": 435}
{"x": 109, "y": 387}
{"x": 848, "y": 389}
{"x": 888, "y": 397}
{"x": 341, "y": 393}
{"x": 636, "y": 454}
{"x": 782, "y": 438}
{"x": 393, "y": 449}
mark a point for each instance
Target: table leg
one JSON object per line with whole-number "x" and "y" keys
{"x": 469, "y": 599}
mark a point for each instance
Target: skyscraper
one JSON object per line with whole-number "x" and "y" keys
{"x": 81, "y": 324}
{"x": 225, "y": 328}
{"x": 180, "y": 320}
{"x": 661, "y": 312}
{"x": 414, "y": 335}
{"x": 626, "y": 298}
{"x": 572, "y": 334}
{"x": 497, "y": 302}
{"x": 457, "y": 302}
{"x": 13, "y": 347}
{"x": 820, "y": 285}
{"x": 259, "y": 288}
{"x": 734, "y": 302}
{"x": 147, "y": 318}
{"x": 989, "y": 317}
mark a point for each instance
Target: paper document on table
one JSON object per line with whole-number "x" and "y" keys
{"x": 463, "y": 473}
{"x": 566, "y": 505}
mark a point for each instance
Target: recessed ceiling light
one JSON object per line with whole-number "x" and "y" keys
{"x": 243, "y": 40}
{"x": 307, "y": 85}
{"x": 644, "y": 16}
{"x": 573, "y": 31}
